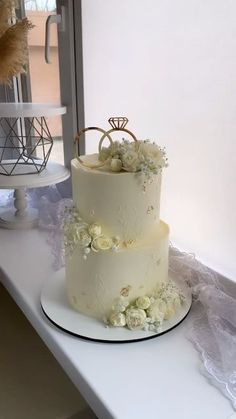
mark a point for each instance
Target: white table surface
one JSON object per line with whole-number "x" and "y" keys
{"x": 154, "y": 379}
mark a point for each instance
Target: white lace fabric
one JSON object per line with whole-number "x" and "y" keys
{"x": 213, "y": 326}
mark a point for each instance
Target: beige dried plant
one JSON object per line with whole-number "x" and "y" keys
{"x": 13, "y": 43}
{"x": 6, "y": 9}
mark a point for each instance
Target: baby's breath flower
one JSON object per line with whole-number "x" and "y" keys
{"x": 84, "y": 239}
{"x": 155, "y": 313}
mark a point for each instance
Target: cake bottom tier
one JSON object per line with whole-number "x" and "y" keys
{"x": 95, "y": 283}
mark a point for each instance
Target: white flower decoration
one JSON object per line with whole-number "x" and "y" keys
{"x": 117, "y": 319}
{"x": 143, "y": 302}
{"x": 131, "y": 161}
{"x": 95, "y": 230}
{"x": 116, "y": 165}
{"x": 84, "y": 239}
{"x": 135, "y": 318}
{"x": 134, "y": 156}
{"x": 169, "y": 312}
{"x": 154, "y": 313}
{"x": 102, "y": 243}
{"x": 152, "y": 151}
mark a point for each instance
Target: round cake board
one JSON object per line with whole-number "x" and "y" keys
{"x": 57, "y": 309}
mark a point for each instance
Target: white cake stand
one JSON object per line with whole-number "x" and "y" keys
{"x": 30, "y": 110}
{"x": 21, "y": 216}
{"x": 56, "y": 307}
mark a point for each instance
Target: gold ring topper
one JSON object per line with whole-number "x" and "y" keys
{"x": 139, "y": 156}
{"x": 117, "y": 123}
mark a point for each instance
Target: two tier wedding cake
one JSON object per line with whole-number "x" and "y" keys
{"x": 116, "y": 245}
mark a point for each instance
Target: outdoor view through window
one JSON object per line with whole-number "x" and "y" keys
{"x": 44, "y": 78}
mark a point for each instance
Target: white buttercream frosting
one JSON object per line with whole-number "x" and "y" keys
{"x": 104, "y": 276}
{"x": 123, "y": 206}
{"x": 118, "y": 201}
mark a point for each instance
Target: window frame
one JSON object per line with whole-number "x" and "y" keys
{"x": 70, "y": 56}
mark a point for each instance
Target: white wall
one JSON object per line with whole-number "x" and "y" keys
{"x": 170, "y": 67}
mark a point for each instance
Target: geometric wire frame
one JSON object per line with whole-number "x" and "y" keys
{"x": 25, "y": 145}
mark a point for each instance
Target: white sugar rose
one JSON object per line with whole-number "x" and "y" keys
{"x": 102, "y": 243}
{"x": 95, "y": 230}
{"x": 131, "y": 161}
{"x": 117, "y": 319}
{"x": 143, "y": 302}
{"x": 83, "y": 237}
{"x": 135, "y": 318}
{"x": 153, "y": 152}
{"x": 116, "y": 165}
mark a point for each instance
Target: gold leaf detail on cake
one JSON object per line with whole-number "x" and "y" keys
{"x": 125, "y": 291}
{"x": 150, "y": 209}
{"x": 128, "y": 243}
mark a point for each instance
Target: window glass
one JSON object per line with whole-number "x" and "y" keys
{"x": 44, "y": 78}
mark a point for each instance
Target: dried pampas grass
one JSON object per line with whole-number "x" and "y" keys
{"x": 13, "y": 43}
{"x": 14, "y": 50}
{"x": 6, "y": 8}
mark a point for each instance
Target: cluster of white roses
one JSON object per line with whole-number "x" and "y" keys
{"x": 147, "y": 313}
{"x": 87, "y": 236}
{"x": 134, "y": 156}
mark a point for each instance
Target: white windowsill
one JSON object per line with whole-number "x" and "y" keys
{"x": 154, "y": 379}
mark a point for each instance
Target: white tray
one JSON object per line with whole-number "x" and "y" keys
{"x": 57, "y": 309}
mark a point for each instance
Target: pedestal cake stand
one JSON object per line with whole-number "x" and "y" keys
{"x": 21, "y": 216}
{"x": 57, "y": 309}
{"x": 24, "y": 132}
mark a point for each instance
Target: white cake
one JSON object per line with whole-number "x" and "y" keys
{"x": 117, "y": 246}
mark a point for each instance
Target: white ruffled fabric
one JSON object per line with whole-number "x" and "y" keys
{"x": 213, "y": 328}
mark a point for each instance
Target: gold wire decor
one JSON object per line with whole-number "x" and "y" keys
{"x": 13, "y": 42}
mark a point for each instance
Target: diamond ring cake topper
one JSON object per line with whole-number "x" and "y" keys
{"x": 118, "y": 123}
{"x": 130, "y": 156}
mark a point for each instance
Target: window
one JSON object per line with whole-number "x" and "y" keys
{"x": 57, "y": 82}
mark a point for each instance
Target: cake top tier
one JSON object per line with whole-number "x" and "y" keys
{"x": 129, "y": 156}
